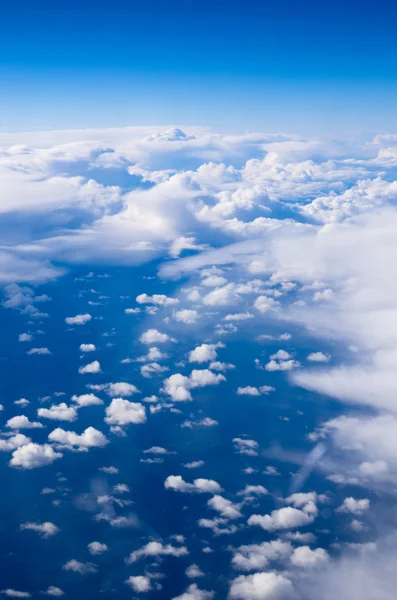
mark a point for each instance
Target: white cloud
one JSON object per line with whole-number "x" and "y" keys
{"x": 40, "y": 351}
{"x": 186, "y": 315}
{"x": 353, "y": 506}
{"x": 87, "y": 400}
{"x": 194, "y": 593}
{"x": 52, "y": 590}
{"x": 139, "y": 583}
{"x": 93, "y": 367}
{"x": 96, "y": 548}
{"x": 122, "y": 412}
{"x": 90, "y": 438}
{"x": 306, "y": 558}
{"x": 206, "y": 486}
{"x": 262, "y": 586}
{"x": 79, "y": 567}
{"x": 78, "y": 319}
{"x": 156, "y": 549}
{"x": 255, "y": 557}
{"x": 157, "y": 299}
{"x": 318, "y": 357}
{"x": 178, "y": 386}
{"x": 193, "y": 571}
{"x": 87, "y": 347}
{"x": 153, "y": 336}
{"x": 22, "y": 422}
{"x": 31, "y": 456}
{"x": 58, "y": 412}
{"x": 204, "y": 353}
{"x": 250, "y": 390}
{"x": 46, "y": 529}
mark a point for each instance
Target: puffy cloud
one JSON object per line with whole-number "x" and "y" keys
{"x": 52, "y": 590}
{"x": 123, "y": 412}
{"x": 156, "y": 549}
{"x": 96, "y": 548}
{"x": 87, "y": 400}
{"x": 139, "y": 583}
{"x": 157, "y": 299}
{"x": 90, "y": 438}
{"x": 262, "y": 586}
{"x": 246, "y": 446}
{"x": 204, "y": 353}
{"x": 199, "y": 486}
{"x": 250, "y": 390}
{"x": 193, "y": 571}
{"x": 25, "y": 337}
{"x": 255, "y": 557}
{"x": 319, "y": 357}
{"x": 225, "y": 507}
{"x": 87, "y": 347}
{"x": 78, "y": 319}
{"x": 353, "y": 506}
{"x": 58, "y": 412}
{"x": 22, "y": 422}
{"x": 186, "y": 315}
{"x": 153, "y": 336}
{"x": 178, "y": 386}
{"x": 31, "y": 456}
{"x": 79, "y": 567}
{"x": 13, "y": 442}
{"x": 93, "y": 367}
{"x": 194, "y": 593}
{"x": 11, "y": 593}
{"x": 39, "y": 351}
{"x": 46, "y": 529}
{"x": 307, "y": 558}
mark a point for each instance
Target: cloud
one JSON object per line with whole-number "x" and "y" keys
{"x": 90, "y": 438}
{"x": 87, "y": 400}
{"x": 122, "y": 412}
{"x": 93, "y": 367}
{"x": 204, "y": 353}
{"x": 156, "y": 549}
{"x": 139, "y": 583}
{"x": 153, "y": 336}
{"x": 262, "y": 586}
{"x": 96, "y": 548}
{"x": 87, "y": 347}
{"x": 58, "y": 412}
{"x": 45, "y": 529}
{"x": 199, "y": 486}
{"x": 22, "y": 422}
{"x": 178, "y": 386}
{"x": 194, "y": 593}
{"x": 78, "y": 319}
{"x": 31, "y": 456}
{"x": 79, "y": 567}
{"x": 186, "y": 315}
{"x": 157, "y": 299}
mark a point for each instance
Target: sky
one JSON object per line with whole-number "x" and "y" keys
{"x": 198, "y": 349}
{"x": 303, "y": 67}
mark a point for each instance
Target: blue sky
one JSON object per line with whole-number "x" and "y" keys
{"x": 306, "y": 67}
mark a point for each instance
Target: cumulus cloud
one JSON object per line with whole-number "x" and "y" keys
{"x": 90, "y": 438}
{"x": 31, "y": 456}
{"x": 45, "y": 530}
{"x": 178, "y": 386}
{"x": 123, "y": 412}
{"x": 153, "y": 336}
{"x": 93, "y": 367}
{"x": 262, "y": 586}
{"x": 58, "y": 412}
{"x": 78, "y": 319}
{"x": 199, "y": 486}
{"x": 156, "y": 549}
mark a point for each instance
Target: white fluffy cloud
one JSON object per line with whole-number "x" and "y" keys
{"x": 46, "y": 529}
{"x": 178, "y": 386}
{"x": 199, "y": 486}
{"x": 31, "y": 456}
{"x": 90, "y": 438}
{"x": 58, "y": 412}
{"x": 123, "y": 412}
{"x": 262, "y": 586}
{"x": 78, "y": 319}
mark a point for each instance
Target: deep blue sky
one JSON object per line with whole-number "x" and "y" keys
{"x": 304, "y": 66}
